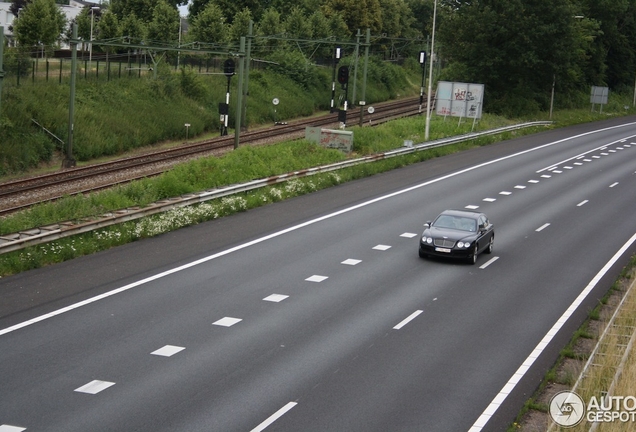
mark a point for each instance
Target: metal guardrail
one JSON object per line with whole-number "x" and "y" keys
{"x": 45, "y": 234}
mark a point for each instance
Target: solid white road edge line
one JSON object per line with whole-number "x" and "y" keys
{"x": 285, "y": 231}
{"x": 514, "y": 380}
{"x": 271, "y": 419}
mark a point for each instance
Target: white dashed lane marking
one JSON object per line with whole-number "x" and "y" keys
{"x": 408, "y": 235}
{"x": 9, "y": 428}
{"x": 490, "y": 199}
{"x": 582, "y": 203}
{"x": 542, "y": 227}
{"x": 168, "y": 351}
{"x": 276, "y": 298}
{"x": 351, "y": 262}
{"x": 505, "y": 193}
{"x": 520, "y": 187}
{"x": 94, "y": 387}
{"x": 487, "y": 263}
{"x": 407, "y": 319}
{"x": 316, "y": 278}
{"x": 472, "y": 207}
{"x": 227, "y": 322}
{"x": 271, "y": 419}
{"x": 613, "y": 184}
{"x": 382, "y": 247}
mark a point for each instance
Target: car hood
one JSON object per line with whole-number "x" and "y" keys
{"x": 450, "y": 234}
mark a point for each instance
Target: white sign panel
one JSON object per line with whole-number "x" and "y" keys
{"x": 599, "y": 95}
{"x": 459, "y": 99}
{"x": 337, "y": 139}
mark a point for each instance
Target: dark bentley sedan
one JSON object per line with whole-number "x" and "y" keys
{"x": 458, "y": 234}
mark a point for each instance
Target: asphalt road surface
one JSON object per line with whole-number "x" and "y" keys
{"x": 316, "y": 314}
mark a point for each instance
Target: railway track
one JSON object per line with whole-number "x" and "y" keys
{"x": 20, "y": 194}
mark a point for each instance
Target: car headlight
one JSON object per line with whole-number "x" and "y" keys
{"x": 462, "y": 245}
{"x": 427, "y": 240}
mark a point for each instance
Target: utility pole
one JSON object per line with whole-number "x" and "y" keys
{"x": 1, "y": 70}
{"x": 363, "y": 101}
{"x": 430, "y": 77}
{"x": 355, "y": 67}
{"x": 246, "y": 92}
{"x": 239, "y": 94}
{"x": 69, "y": 161}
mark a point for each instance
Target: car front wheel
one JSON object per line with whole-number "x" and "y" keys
{"x": 473, "y": 258}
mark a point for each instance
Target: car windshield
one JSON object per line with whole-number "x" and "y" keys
{"x": 456, "y": 222}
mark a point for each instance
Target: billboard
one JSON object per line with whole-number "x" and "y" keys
{"x": 459, "y": 99}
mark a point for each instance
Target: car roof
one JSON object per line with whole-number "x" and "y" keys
{"x": 464, "y": 213}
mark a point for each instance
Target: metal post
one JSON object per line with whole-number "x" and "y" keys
{"x": 69, "y": 161}
{"x": 430, "y": 78}
{"x": 250, "y": 35}
{"x": 355, "y": 67}
{"x": 552, "y": 97}
{"x": 226, "y": 116}
{"x": 336, "y": 59}
{"x": 363, "y": 100}
{"x": 90, "y": 45}
{"x": 239, "y": 94}
{"x": 1, "y": 69}
{"x": 423, "y": 64}
{"x": 179, "y": 52}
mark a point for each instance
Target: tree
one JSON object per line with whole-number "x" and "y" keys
{"x": 240, "y": 26}
{"x": 297, "y": 25}
{"x": 164, "y": 27}
{"x": 358, "y": 14}
{"x": 270, "y": 25}
{"x": 615, "y": 48}
{"x": 16, "y": 5}
{"x": 40, "y": 24}
{"x": 132, "y": 28}
{"x": 338, "y": 27}
{"x": 209, "y": 26}
{"x": 109, "y": 29}
{"x": 515, "y": 47}
{"x": 142, "y": 9}
{"x": 229, "y": 8}
{"x": 83, "y": 21}
{"x": 397, "y": 18}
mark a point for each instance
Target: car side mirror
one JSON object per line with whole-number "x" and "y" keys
{"x": 427, "y": 224}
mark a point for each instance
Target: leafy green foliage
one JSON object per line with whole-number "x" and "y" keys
{"x": 294, "y": 65}
{"x": 209, "y": 26}
{"x": 39, "y": 25}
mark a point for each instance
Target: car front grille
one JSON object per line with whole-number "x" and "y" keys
{"x": 444, "y": 243}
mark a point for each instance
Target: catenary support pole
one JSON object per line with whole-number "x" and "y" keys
{"x": 239, "y": 94}
{"x": 363, "y": 100}
{"x": 355, "y": 67}
{"x": 69, "y": 160}
{"x": 1, "y": 67}
{"x": 246, "y": 91}
{"x": 430, "y": 77}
